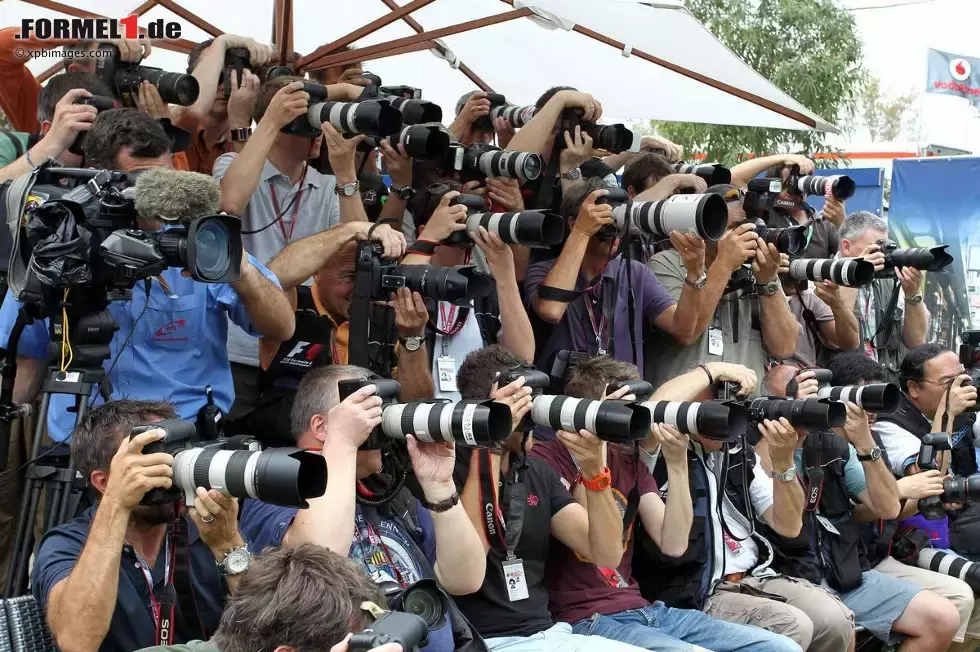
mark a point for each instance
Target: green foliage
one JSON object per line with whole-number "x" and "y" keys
{"x": 886, "y": 117}
{"x": 808, "y": 48}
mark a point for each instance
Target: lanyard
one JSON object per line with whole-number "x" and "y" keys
{"x": 600, "y": 328}
{"x": 451, "y": 315}
{"x": 501, "y": 537}
{"x": 295, "y": 202}
{"x": 162, "y": 608}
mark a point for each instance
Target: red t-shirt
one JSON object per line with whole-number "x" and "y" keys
{"x": 577, "y": 589}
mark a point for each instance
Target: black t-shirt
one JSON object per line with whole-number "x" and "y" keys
{"x": 489, "y": 610}
{"x": 823, "y": 240}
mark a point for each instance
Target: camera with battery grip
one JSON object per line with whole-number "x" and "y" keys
{"x": 956, "y": 489}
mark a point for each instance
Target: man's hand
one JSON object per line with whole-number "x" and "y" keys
{"x": 691, "y": 249}
{"x": 517, "y": 397}
{"x": 856, "y": 428}
{"x": 432, "y": 463}
{"x": 132, "y": 50}
{"x": 621, "y": 394}
{"x": 352, "y": 421}
{"x": 132, "y": 474}
{"x": 500, "y": 257}
{"x": 578, "y": 150}
{"x": 671, "y": 151}
{"x": 806, "y": 385}
{"x": 962, "y": 396}
{"x": 673, "y": 444}
{"x": 411, "y": 315}
{"x": 576, "y": 99}
{"x": 392, "y": 242}
{"x": 833, "y": 211}
{"x": 674, "y": 183}
{"x": 911, "y": 280}
{"x": 241, "y": 101}
{"x": 341, "y": 152}
{"x": 829, "y": 293}
{"x": 766, "y": 263}
{"x": 398, "y": 164}
{"x": 505, "y": 131}
{"x": 446, "y": 219}
{"x": 806, "y": 165}
{"x": 874, "y": 255}
{"x": 148, "y": 101}
{"x": 924, "y": 484}
{"x": 737, "y": 246}
{"x": 387, "y": 647}
{"x": 782, "y": 440}
{"x": 216, "y": 518}
{"x": 506, "y": 193}
{"x": 259, "y": 54}
{"x": 475, "y": 108}
{"x": 289, "y": 103}
{"x": 353, "y": 76}
{"x": 734, "y": 373}
{"x": 588, "y": 451}
{"x": 70, "y": 119}
{"x": 592, "y": 216}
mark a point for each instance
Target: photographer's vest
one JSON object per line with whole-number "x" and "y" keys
{"x": 909, "y": 417}
{"x": 881, "y": 333}
{"x": 687, "y": 581}
{"x": 830, "y": 545}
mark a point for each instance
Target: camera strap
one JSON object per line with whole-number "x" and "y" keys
{"x": 886, "y": 323}
{"x": 162, "y": 605}
{"x": 503, "y": 530}
{"x": 188, "y": 616}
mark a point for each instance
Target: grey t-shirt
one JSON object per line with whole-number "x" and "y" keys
{"x": 806, "y": 349}
{"x": 740, "y": 342}
{"x": 317, "y": 210}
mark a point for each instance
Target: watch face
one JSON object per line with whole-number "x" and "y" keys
{"x": 413, "y": 343}
{"x": 349, "y": 189}
{"x": 237, "y": 561}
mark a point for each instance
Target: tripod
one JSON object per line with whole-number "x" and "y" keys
{"x": 90, "y": 349}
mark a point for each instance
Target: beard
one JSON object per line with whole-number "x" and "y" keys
{"x": 152, "y": 515}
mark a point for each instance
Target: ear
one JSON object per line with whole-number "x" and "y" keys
{"x": 284, "y": 648}
{"x": 631, "y": 192}
{"x": 45, "y": 127}
{"x": 99, "y": 480}
{"x": 318, "y": 427}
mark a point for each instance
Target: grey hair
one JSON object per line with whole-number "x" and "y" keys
{"x": 860, "y": 222}
{"x": 317, "y": 393}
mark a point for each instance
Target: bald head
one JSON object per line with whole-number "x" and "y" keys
{"x": 778, "y": 377}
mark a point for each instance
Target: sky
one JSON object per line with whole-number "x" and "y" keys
{"x": 895, "y": 41}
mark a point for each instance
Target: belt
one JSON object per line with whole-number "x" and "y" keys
{"x": 734, "y": 578}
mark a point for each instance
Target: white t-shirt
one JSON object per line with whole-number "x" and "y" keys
{"x": 741, "y": 556}
{"x": 451, "y": 351}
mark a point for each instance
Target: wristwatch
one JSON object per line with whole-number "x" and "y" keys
{"x": 786, "y": 476}
{"x": 240, "y": 134}
{"x": 236, "y": 561}
{"x": 442, "y": 505}
{"x": 767, "y": 289}
{"x": 914, "y": 300}
{"x": 413, "y": 343}
{"x": 347, "y": 189}
{"x": 700, "y": 283}
{"x": 404, "y": 192}
{"x": 873, "y": 455}
{"x": 599, "y": 483}
{"x": 572, "y": 175}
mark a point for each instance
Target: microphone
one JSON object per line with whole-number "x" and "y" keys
{"x": 176, "y": 196}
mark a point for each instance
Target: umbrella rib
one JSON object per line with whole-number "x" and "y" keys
{"x": 284, "y": 28}
{"x": 361, "y": 32}
{"x": 190, "y": 17}
{"x": 463, "y": 68}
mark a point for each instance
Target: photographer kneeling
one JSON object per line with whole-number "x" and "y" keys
{"x": 397, "y": 542}
{"x": 124, "y": 575}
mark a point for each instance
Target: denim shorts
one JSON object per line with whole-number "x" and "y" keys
{"x": 879, "y": 602}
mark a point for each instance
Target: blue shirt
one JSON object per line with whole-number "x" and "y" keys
{"x": 392, "y": 559}
{"x": 178, "y": 348}
{"x": 132, "y": 626}
{"x": 854, "y": 477}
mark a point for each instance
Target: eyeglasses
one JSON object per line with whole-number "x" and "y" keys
{"x": 733, "y": 194}
{"x": 945, "y": 381}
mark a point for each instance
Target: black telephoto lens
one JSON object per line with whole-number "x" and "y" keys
{"x": 416, "y": 111}
{"x": 453, "y": 284}
{"x": 961, "y": 489}
{"x": 789, "y": 240}
{"x": 641, "y": 389}
{"x": 612, "y": 138}
{"x": 712, "y": 174}
{"x": 426, "y": 142}
{"x": 880, "y": 398}
{"x": 816, "y": 413}
{"x": 930, "y": 259}
{"x": 174, "y": 87}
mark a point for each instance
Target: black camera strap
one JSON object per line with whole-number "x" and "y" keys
{"x": 163, "y": 602}
{"x": 503, "y": 530}
{"x": 886, "y": 324}
{"x": 188, "y": 620}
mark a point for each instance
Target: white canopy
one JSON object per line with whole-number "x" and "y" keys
{"x": 641, "y": 60}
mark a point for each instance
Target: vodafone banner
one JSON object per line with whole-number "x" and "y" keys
{"x": 951, "y": 74}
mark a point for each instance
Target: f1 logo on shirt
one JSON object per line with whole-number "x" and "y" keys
{"x": 303, "y": 354}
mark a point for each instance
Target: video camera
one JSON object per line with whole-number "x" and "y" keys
{"x": 531, "y": 228}
{"x": 956, "y": 489}
{"x": 706, "y": 215}
{"x": 517, "y": 116}
{"x": 476, "y": 161}
{"x": 235, "y": 467}
{"x": 614, "y": 138}
{"x": 930, "y": 259}
{"x": 370, "y": 117}
{"x": 126, "y": 77}
{"x": 470, "y": 422}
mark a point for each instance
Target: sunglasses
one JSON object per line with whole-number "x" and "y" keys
{"x": 733, "y": 194}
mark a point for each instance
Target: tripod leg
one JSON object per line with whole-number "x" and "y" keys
{"x": 67, "y": 497}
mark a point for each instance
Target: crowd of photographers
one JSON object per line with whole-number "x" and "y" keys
{"x": 502, "y": 400}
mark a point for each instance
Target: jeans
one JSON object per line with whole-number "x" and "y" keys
{"x": 558, "y": 638}
{"x": 665, "y": 629}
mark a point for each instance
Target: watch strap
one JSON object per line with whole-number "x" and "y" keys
{"x": 240, "y": 134}
{"x": 572, "y": 175}
{"x": 600, "y": 482}
{"x": 403, "y": 192}
{"x": 699, "y": 283}
{"x": 786, "y": 476}
{"x": 341, "y": 188}
{"x": 769, "y": 289}
{"x": 221, "y": 564}
{"x": 442, "y": 505}
{"x": 914, "y": 300}
{"x": 871, "y": 455}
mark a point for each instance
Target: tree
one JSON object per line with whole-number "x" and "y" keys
{"x": 808, "y": 48}
{"x": 886, "y": 117}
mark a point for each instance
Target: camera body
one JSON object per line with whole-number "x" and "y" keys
{"x": 126, "y": 77}
{"x": 388, "y": 390}
{"x": 485, "y": 123}
{"x": 405, "y": 629}
{"x": 932, "y": 507}
{"x": 101, "y": 103}
{"x": 237, "y": 59}
{"x": 614, "y": 138}
{"x": 823, "y": 377}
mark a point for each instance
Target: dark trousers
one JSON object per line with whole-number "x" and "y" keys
{"x": 246, "y": 379}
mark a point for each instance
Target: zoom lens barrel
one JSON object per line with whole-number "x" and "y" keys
{"x": 452, "y": 284}
{"x": 472, "y": 423}
{"x": 961, "y": 489}
{"x": 372, "y": 118}
{"x": 789, "y": 240}
{"x": 816, "y": 413}
{"x": 705, "y": 215}
{"x": 930, "y": 259}
{"x": 712, "y": 174}
{"x": 950, "y": 564}
{"x": 426, "y": 142}
{"x": 524, "y": 166}
{"x": 849, "y": 272}
{"x": 529, "y": 228}
{"x": 517, "y": 116}
{"x": 841, "y": 186}
{"x": 609, "y": 420}
{"x": 174, "y": 87}
{"x": 713, "y": 420}
{"x": 880, "y": 398}
{"x": 414, "y": 111}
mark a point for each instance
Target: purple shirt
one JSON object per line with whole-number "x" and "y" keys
{"x": 577, "y": 330}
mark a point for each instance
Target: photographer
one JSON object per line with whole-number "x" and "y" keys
{"x": 748, "y": 322}
{"x": 737, "y": 582}
{"x": 510, "y": 610}
{"x": 822, "y": 239}
{"x": 588, "y": 270}
{"x": 281, "y": 197}
{"x": 108, "y": 579}
{"x": 178, "y": 331}
{"x": 302, "y": 598}
{"x": 828, "y": 321}
{"x": 607, "y": 601}
{"x": 471, "y": 107}
{"x": 892, "y": 317}
{"x": 455, "y": 331}
{"x": 207, "y": 120}
{"x": 397, "y": 543}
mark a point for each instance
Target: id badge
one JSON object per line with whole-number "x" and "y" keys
{"x": 716, "y": 343}
{"x": 515, "y": 580}
{"x": 446, "y": 368}
{"x": 734, "y": 546}
{"x": 827, "y": 525}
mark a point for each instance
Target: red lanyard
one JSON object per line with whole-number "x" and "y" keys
{"x": 600, "y": 328}
{"x": 163, "y": 612}
{"x": 295, "y": 201}
{"x": 451, "y": 315}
